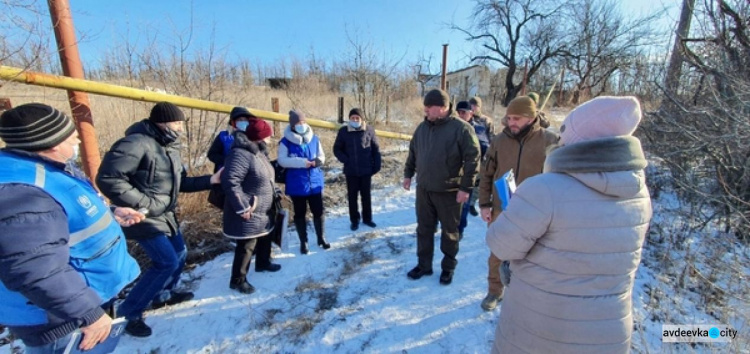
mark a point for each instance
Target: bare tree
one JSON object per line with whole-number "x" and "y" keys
{"x": 424, "y": 72}
{"x": 705, "y": 137}
{"x": 24, "y": 34}
{"x": 675, "y": 61}
{"x": 511, "y": 32}
{"x": 368, "y": 76}
{"x": 602, "y": 41}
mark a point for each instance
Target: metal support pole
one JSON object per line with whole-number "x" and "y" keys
{"x": 276, "y": 125}
{"x": 445, "y": 67}
{"x": 341, "y": 110}
{"x": 67, "y": 46}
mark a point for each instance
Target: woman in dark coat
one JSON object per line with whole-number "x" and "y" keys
{"x": 248, "y": 210}
{"x": 357, "y": 148}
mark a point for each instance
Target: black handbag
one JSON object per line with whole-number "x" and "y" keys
{"x": 216, "y": 196}
{"x": 279, "y": 172}
{"x": 279, "y": 217}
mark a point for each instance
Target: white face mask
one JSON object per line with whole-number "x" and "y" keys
{"x": 354, "y": 124}
{"x": 242, "y": 125}
{"x": 301, "y": 128}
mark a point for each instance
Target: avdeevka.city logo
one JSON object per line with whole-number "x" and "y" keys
{"x": 698, "y": 333}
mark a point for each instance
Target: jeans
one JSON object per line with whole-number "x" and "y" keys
{"x": 56, "y": 347}
{"x": 167, "y": 255}
{"x": 465, "y": 212}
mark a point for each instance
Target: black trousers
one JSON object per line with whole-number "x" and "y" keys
{"x": 243, "y": 255}
{"x": 300, "y": 206}
{"x": 434, "y": 207}
{"x": 356, "y": 186}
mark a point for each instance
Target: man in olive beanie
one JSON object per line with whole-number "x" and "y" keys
{"x": 543, "y": 120}
{"x": 521, "y": 147}
{"x": 443, "y": 183}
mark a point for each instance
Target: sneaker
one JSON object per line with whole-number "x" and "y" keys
{"x": 370, "y": 223}
{"x": 355, "y": 226}
{"x": 242, "y": 286}
{"x": 417, "y": 273}
{"x": 175, "y": 299}
{"x": 490, "y": 301}
{"x": 473, "y": 211}
{"x": 446, "y": 277}
{"x": 270, "y": 267}
{"x": 138, "y": 328}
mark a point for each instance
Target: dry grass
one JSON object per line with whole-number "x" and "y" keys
{"x": 201, "y": 223}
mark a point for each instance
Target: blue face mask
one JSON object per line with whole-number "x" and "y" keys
{"x": 300, "y": 128}
{"x": 242, "y": 125}
{"x": 355, "y": 125}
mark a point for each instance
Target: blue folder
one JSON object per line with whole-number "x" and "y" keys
{"x": 109, "y": 344}
{"x": 506, "y": 186}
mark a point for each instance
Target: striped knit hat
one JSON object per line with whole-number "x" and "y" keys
{"x": 34, "y": 127}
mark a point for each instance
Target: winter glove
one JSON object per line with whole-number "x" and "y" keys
{"x": 505, "y": 273}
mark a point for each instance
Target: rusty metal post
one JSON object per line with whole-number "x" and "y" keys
{"x": 276, "y": 125}
{"x": 67, "y": 46}
{"x": 444, "y": 72}
{"x": 341, "y": 110}
{"x": 5, "y": 104}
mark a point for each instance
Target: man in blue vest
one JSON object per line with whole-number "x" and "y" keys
{"x": 63, "y": 255}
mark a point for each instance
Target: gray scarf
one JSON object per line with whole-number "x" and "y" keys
{"x": 620, "y": 153}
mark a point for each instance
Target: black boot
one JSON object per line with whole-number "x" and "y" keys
{"x": 301, "y": 226}
{"x": 320, "y": 231}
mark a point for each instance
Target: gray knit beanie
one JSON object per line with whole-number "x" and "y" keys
{"x": 34, "y": 127}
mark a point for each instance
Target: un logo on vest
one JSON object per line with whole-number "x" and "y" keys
{"x": 84, "y": 201}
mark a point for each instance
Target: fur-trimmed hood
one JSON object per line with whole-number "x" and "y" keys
{"x": 612, "y": 166}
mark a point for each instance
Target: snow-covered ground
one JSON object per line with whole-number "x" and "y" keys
{"x": 356, "y": 298}
{"x": 353, "y": 298}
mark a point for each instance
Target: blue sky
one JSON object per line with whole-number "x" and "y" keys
{"x": 269, "y": 31}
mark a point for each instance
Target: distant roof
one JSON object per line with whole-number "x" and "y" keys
{"x": 467, "y": 68}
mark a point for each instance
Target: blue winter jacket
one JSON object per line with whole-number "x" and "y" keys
{"x": 62, "y": 254}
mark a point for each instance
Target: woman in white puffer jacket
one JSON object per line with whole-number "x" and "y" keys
{"x": 573, "y": 236}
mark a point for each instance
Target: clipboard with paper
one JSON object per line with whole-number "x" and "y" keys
{"x": 505, "y": 186}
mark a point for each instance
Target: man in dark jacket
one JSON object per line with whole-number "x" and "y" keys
{"x": 62, "y": 253}
{"x": 357, "y": 147}
{"x": 144, "y": 171}
{"x": 444, "y": 153}
{"x": 485, "y": 130}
